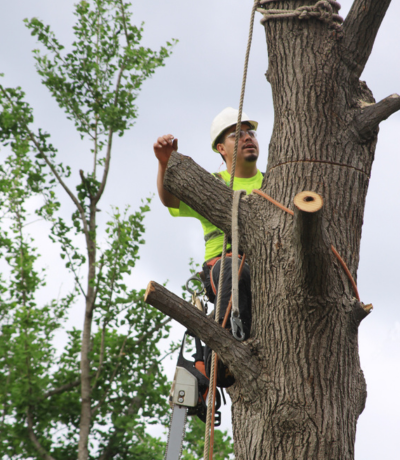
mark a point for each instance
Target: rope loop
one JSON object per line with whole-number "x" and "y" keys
{"x": 323, "y": 10}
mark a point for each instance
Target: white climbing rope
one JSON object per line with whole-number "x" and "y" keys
{"x": 221, "y": 278}
{"x": 322, "y": 10}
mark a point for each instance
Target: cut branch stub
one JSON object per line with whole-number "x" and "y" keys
{"x": 361, "y": 311}
{"x": 308, "y": 202}
{"x": 311, "y": 246}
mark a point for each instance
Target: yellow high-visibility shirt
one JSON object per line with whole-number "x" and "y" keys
{"x": 214, "y": 245}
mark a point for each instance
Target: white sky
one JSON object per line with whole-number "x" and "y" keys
{"x": 201, "y": 78}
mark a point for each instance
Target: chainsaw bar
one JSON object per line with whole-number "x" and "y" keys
{"x": 176, "y": 433}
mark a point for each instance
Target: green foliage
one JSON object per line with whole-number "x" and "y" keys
{"x": 193, "y": 448}
{"x": 106, "y": 52}
{"x": 115, "y": 357}
{"x": 27, "y": 329}
{"x": 96, "y": 84}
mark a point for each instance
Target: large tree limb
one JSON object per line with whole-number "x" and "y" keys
{"x": 360, "y": 29}
{"x": 236, "y": 355}
{"x": 199, "y": 189}
{"x": 368, "y": 120}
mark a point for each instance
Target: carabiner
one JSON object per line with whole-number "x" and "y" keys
{"x": 192, "y": 291}
{"x": 237, "y": 328}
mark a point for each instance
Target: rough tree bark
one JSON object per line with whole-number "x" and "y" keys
{"x": 299, "y": 387}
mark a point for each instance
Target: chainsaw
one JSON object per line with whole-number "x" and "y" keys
{"x": 189, "y": 390}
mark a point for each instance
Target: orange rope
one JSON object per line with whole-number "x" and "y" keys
{"x": 345, "y": 268}
{"x": 276, "y": 203}
{"x": 342, "y": 262}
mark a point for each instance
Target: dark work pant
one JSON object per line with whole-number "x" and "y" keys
{"x": 244, "y": 292}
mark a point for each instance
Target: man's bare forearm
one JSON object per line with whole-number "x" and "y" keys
{"x": 167, "y": 199}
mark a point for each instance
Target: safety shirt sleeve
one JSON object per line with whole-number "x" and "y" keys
{"x": 183, "y": 211}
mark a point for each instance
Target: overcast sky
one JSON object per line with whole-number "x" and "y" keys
{"x": 201, "y": 78}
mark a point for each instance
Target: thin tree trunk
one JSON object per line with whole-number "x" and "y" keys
{"x": 85, "y": 421}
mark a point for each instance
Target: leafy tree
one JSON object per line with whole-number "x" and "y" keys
{"x": 96, "y": 397}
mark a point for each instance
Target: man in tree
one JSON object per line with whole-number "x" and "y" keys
{"x": 247, "y": 177}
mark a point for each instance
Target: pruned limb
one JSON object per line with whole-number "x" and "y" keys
{"x": 368, "y": 120}
{"x": 207, "y": 195}
{"x": 360, "y": 29}
{"x": 236, "y": 355}
{"x": 361, "y": 311}
{"x": 312, "y": 254}
{"x": 34, "y": 439}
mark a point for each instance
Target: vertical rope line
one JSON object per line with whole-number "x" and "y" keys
{"x": 213, "y": 356}
{"x": 244, "y": 80}
{"x": 222, "y": 269}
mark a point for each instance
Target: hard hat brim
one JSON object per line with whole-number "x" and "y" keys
{"x": 252, "y": 123}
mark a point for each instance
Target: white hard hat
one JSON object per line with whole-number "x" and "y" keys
{"x": 224, "y": 120}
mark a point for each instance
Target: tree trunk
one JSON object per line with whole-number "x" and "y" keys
{"x": 310, "y": 390}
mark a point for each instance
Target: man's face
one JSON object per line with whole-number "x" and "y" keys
{"x": 248, "y": 149}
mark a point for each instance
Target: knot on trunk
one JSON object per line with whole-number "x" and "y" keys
{"x": 291, "y": 419}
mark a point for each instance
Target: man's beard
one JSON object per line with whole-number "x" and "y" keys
{"x": 251, "y": 157}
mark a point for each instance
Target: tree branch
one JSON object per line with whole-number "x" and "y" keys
{"x": 103, "y": 398}
{"x": 199, "y": 189}
{"x": 360, "y": 29}
{"x": 236, "y": 355}
{"x": 135, "y": 343}
{"x": 72, "y": 267}
{"x": 50, "y": 165}
{"x": 35, "y": 440}
{"x": 61, "y": 389}
{"x": 151, "y": 331}
{"x": 124, "y": 22}
{"x": 109, "y": 142}
{"x": 112, "y": 448}
{"x": 101, "y": 358}
{"x": 368, "y": 120}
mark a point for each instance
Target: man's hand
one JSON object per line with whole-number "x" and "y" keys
{"x": 163, "y": 148}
